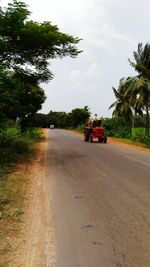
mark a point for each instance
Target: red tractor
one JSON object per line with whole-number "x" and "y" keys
{"x": 95, "y": 131}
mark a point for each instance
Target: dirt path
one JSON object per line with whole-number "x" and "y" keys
{"x": 37, "y": 247}
{"x": 119, "y": 142}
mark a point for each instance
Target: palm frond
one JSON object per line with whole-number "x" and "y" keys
{"x": 113, "y": 105}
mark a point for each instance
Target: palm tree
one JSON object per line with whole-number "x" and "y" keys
{"x": 141, "y": 84}
{"x": 124, "y": 104}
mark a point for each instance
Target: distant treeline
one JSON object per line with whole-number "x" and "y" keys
{"x": 73, "y": 119}
{"x": 78, "y": 117}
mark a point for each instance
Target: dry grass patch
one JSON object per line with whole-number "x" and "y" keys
{"x": 13, "y": 195}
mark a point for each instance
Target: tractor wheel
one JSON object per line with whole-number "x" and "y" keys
{"x": 99, "y": 140}
{"x": 105, "y": 140}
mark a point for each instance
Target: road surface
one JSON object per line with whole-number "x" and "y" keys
{"x": 99, "y": 197}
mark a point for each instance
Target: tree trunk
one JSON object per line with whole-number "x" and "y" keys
{"x": 133, "y": 122}
{"x": 147, "y": 120}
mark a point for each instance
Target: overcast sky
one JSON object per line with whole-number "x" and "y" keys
{"x": 111, "y": 30}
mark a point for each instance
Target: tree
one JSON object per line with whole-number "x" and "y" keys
{"x": 133, "y": 94}
{"x": 79, "y": 116}
{"x": 76, "y": 117}
{"x": 8, "y": 93}
{"x": 28, "y": 44}
{"x": 57, "y": 118}
{"x": 141, "y": 85}
{"x": 124, "y": 103}
{"x": 25, "y": 50}
{"x": 39, "y": 120}
{"x": 20, "y": 97}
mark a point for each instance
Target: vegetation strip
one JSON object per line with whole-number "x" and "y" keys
{"x": 14, "y": 182}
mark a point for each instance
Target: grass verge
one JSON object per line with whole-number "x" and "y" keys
{"x": 120, "y": 140}
{"x": 13, "y": 189}
{"x": 14, "y": 182}
{"x": 130, "y": 142}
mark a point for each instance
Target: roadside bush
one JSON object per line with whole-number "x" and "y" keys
{"x": 142, "y": 139}
{"x": 147, "y": 140}
{"x": 33, "y": 134}
{"x": 15, "y": 145}
{"x": 137, "y": 132}
{"x": 122, "y": 133}
{"x": 9, "y": 135}
{"x": 138, "y": 135}
{"x": 21, "y": 146}
{"x": 80, "y": 128}
{"x": 116, "y": 127}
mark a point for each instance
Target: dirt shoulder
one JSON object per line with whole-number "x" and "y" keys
{"x": 25, "y": 237}
{"x": 121, "y": 142}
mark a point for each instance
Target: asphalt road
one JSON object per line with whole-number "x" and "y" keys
{"x": 100, "y": 202}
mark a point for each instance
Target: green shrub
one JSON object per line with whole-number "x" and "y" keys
{"x": 80, "y": 128}
{"x": 122, "y": 133}
{"x": 138, "y": 135}
{"x": 9, "y": 135}
{"x": 138, "y": 132}
{"x": 147, "y": 140}
{"x": 33, "y": 134}
{"x": 14, "y": 145}
{"x": 116, "y": 127}
{"x": 21, "y": 146}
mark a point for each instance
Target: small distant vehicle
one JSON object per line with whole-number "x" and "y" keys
{"x": 52, "y": 126}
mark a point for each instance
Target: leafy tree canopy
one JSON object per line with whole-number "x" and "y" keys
{"x": 79, "y": 116}
{"x": 26, "y": 47}
{"x": 75, "y": 118}
{"x": 19, "y": 98}
{"x": 28, "y": 44}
